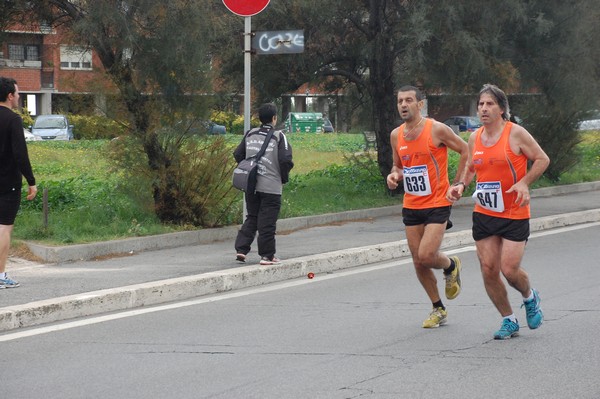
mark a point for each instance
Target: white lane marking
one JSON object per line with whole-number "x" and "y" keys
{"x": 251, "y": 291}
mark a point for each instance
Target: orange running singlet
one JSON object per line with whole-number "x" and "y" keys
{"x": 498, "y": 169}
{"x": 425, "y": 168}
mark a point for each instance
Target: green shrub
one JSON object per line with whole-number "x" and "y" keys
{"x": 75, "y": 192}
{"x": 193, "y": 182}
{"x": 91, "y": 127}
{"x": 237, "y": 125}
{"x": 27, "y": 119}
{"x": 233, "y": 122}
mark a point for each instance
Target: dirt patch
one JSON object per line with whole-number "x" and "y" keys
{"x": 21, "y": 250}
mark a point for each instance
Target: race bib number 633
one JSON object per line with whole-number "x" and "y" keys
{"x": 416, "y": 180}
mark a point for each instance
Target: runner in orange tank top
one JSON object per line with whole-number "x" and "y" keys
{"x": 498, "y": 154}
{"x": 420, "y": 151}
{"x": 497, "y": 167}
{"x": 425, "y": 169}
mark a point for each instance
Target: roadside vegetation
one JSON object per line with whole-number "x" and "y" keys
{"x": 89, "y": 200}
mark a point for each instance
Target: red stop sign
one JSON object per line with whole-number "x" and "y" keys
{"x": 246, "y": 8}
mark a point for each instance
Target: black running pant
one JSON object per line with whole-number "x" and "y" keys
{"x": 263, "y": 212}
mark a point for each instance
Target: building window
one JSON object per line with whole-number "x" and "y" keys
{"x": 23, "y": 52}
{"x": 75, "y": 57}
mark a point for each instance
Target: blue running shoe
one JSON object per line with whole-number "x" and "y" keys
{"x": 7, "y": 282}
{"x": 535, "y": 316}
{"x": 508, "y": 330}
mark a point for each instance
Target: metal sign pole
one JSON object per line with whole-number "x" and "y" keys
{"x": 247, "y": 67}
{"x": 247, "y": 75}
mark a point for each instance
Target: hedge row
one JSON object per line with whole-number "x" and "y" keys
{"x": 92, "y": 127}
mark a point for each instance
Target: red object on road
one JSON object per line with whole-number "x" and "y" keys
{"x": 310, "y": 275}
{"x": 246, "y": 8}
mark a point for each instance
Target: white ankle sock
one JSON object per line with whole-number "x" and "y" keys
{"x": 511, "y": 317}
{"x": 529, "y": 298}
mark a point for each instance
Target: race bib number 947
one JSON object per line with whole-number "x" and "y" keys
{"x": 416, "y": 181}
{"x": 489, "y": 196}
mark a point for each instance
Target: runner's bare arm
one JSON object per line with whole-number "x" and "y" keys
{"x": 522, "y": 142}
{"x": 456, "y": 190}
{"x": 396, "y": 173}
{"x": 442, "y": 134}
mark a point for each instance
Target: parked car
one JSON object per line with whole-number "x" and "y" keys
{"x": 327, "y": 126}
{"x": 593, "y": 123}
{"x": 463, "y": 123}
{"x": 214, "y": 128}
{"x": 52, "y": 127}
{"x": 200, "y": 127}
{"x": 516, "y": 119}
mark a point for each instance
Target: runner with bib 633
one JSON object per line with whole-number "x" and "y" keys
{"x": 420, "y": 153}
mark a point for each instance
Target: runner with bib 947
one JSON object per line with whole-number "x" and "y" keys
{"x": 498, "y": 155}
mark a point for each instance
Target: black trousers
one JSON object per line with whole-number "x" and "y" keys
{"x": 263, "y": 212}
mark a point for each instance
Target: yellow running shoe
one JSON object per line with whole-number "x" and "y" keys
{"x": 436, "y": 318}
{"x": 453, "y": 280}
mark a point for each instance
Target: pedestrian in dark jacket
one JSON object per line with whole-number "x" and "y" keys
{"x": 264, "y": 204}
{"x": 14, "y": 164}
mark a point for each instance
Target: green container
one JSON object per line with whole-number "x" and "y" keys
{"x": 304, "y": 122}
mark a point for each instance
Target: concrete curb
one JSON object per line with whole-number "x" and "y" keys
{"x": 566, "y": 189}
{"x": 176, "y": 289}
{"x": 304, "y": 222}
{"x": 77, "y": 252}
{"x": 70, "y": 253}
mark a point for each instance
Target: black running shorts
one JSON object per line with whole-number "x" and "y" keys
{"x": 485, "y": 226}
{"x": 9, "y": 206}
{"x": 415, "y": 217}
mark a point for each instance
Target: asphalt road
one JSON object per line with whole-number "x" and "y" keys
{"x": 348, "y": 334}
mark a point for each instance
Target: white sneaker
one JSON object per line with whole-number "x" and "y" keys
{"x": 7, "y": 282}
{"x": 264, "y": 261}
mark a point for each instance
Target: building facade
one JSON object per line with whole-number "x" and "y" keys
{"x": 46, "y": 66}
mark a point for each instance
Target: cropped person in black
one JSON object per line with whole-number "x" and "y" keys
{"x": 14, "y": 164}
